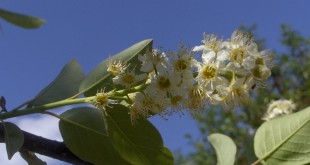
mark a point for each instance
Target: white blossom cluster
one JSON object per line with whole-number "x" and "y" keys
{"x": 223, "y": 74}
{"x": 279, "y": 108}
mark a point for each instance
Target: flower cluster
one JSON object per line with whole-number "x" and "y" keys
{"x": 279, "y": 108}
{"x": 223, "y": 73}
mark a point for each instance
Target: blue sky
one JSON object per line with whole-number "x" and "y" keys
{"x": 90, "y": 31}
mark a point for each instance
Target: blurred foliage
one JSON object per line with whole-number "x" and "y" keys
{"x": 21, "y": 20}
{"x": 289, "y": 80}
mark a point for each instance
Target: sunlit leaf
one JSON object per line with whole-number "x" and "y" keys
{"x": 21, "y": 20}
{"x": 138, "y": 144}
{"x": 64, "y": 86}
{"x": 84, "y": 133}
{"x": 225, "y": 148}
{"x": 99, "y": 77}
{"x": 284, "y": 140}
{"x": 13, "y": 137}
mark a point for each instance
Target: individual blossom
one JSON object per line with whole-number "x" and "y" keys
{"x": 116, "y": 67}
{"x": 135, "y": 114}
{"x": 129, "y": 78}
{"x": 263, "y": 64}
{"x": 102, "y": 101}
{"x": 212, "y": 45}
{"x": 209, "y": 72}
{"x": 240, "y": 38}
{"x": 239, "y": 49}
{"x": 279, "y": 108}
{"x": 196, "y": 100}
{"x": 135, "y": 111}
{"x": 183, "y": 63}
{"x": 165, "y": 82}
{"x": 229, "y": 97}
{"x": 153, "y": 60}
{"x": 148, "y": 104}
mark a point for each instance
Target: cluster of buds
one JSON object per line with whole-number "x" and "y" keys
{"x": 218, "y": 72}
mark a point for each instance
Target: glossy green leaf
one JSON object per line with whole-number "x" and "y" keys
{"x": 99, "y": 77}
{"x": 84, "y": 133}
{"x": 13, "y": 137}
{"x": 139, "y": 144}
{"x": 21, "y": 20}
{"x": 64, "y": 86}
{"x": 224, "y": 147}
{"x": 284, "y": 140}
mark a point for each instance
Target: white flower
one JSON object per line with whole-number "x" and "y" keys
{"x": 149, "y": 104}
{"x": 231, "y": 96}
{"x": 238, "y": 54}
{"x": 165, "y": 82}
{"x": 102, "y": 100}
{"x": 263, "y": 64}
{"x": 239, "y": 38}
{"x": 153, "y": 60}
{"x": 129, "y": 78}
{"x": 196, "y": 100}
{"x": 279, "y": 108}
{"x": 239, "y": 49}
{"x": 211, "y": 44}
{"x": 116, "y": 67}
{"x": 221, "y": 97}
{"x": 183, "y": 63}
{"x": 209, "y": 72}
{"x": 261, "y": 72}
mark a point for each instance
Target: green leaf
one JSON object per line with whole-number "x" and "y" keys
{"x": 138, "y": 144}
{"x": 13, "y": 137}
{"x": 21, "y": 20}
{"x": 284, "y": 140}
{"x": 100, "y": 78}
{"x": 225, "y": 148}
{"x": 84, "y": 133}
{"x": 64, "y": 86}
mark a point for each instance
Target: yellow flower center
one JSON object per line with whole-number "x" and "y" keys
{"x": 180, "y": 65}
{"x": 163, "y": 83}
{"x": 259, "y": 61}
{"x": 208, "y": 72}
{"x": 238, "y": 55}
{"x": 102, "y": 99}
{"x": 214, "y": 45}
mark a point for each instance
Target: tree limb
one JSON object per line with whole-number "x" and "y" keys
{"x": 47, "y": 147}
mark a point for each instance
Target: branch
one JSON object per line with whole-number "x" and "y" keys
{"x": 47, "y": 147}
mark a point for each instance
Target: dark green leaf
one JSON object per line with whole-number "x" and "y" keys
{"x": 84, "y": 133}
{"x": 13, "y": 137}
{"x": 138, "y": 144}
{"x": 225, "y": 148}
{"x": 284, "y": 140}
{"x": 99, "y": 77}
{"x": 21, "y": 20}
{"x": 64, "y": 86}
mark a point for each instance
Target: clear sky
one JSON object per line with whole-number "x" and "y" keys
{"x": 90, "y": 31}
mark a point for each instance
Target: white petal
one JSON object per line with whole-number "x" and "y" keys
{"x": 198, "y": 48}
{"x": 222, "y": 55}
{"x": 208, "y": 57}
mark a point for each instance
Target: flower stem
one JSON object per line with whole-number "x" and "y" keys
{"x": 42, "y": 108}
